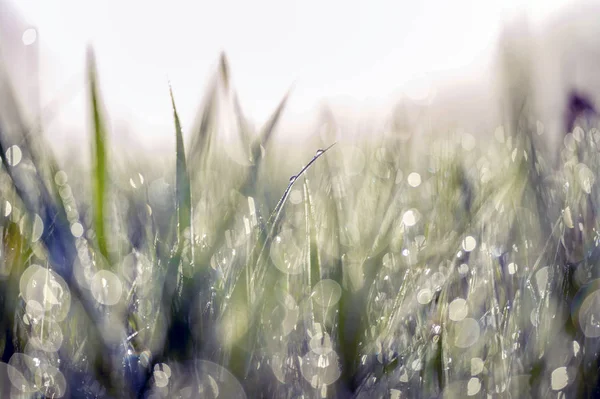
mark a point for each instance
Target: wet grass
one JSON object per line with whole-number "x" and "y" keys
{"x": 377, "y": 268}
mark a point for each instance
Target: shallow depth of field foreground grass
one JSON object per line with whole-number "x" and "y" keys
{"x": 376, "y": 267}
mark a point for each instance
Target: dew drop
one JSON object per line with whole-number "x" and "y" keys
{"x": 414, "y": 179}
{"x": 458, "y": 309}
{"x": 77, "y": 229}
{"x": 424, "y": 296}
{"x": 327, "y": 292}
{"x": 29, "y": 36}
{"x": 476, "y": 365}
{"x": 106, "y": 288}
{"x": 467, "y": 333}
{"x": 473, "y": 386}
{"x": 14, "y": 155}
{"x": 559, "y": 379}
{"x": 469, "y": 243}
{"x": 409, "y": 218}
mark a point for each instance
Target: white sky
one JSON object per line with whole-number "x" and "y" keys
{"x": 360, "y": 50}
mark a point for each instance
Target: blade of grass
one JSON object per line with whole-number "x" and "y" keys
{"x": 182, "y": 181}
{"x": 99, "y": 176}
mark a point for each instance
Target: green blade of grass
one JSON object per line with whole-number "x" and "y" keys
{"x": 99, "y": 176}
{"x": 182, "y": 181}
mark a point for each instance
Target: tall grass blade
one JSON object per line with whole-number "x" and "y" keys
{"x": 99, "y": 176}
{"x": 182, "y": 179}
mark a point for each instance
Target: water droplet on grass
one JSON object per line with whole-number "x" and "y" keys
{"x": 106, "y": 288}
{"x": 38, "y": 228}
{"x": 29, "y": 36}
{"x": 458, "y": 309}
{"x": 414, "y": 179}
{"x": 327, "y": 292}
{"x": 14, "y": 155}
{"x": 476, "y": 365}
{"x": 61, "y": 178}
{"x": 469, "y": 243}
{"x": 409, "y": 218}
{"x": 473, "y": 386}
{"x": 77, "y": 229}
{"x": 467, "y": 333}
{"x": 424, "y": 296}
{"x": 559, "y": 379}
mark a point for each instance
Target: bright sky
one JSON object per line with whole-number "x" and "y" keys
{"x": 361, "y": 50}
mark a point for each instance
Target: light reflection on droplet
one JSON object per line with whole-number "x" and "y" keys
{"x": 559, "y": 378}
{"x": 106, "y": 288}
{"x": 7, "y": 209}
{"x": 512, "y": 268}
{"x": 296, "y": 196}
{"x": 469, "y": 243}
{"x": 38, "y": 228}
{"x": 13, "y": 155}
{"x": 414, "y": 179}
{"x": 409, "y": 218}
{"x": 424, "y": 296}
{"x": 29, "y": 36}
{"x": 51, "y": 381}
{"x": 473, "y": 386}
{"x": 61, "y": 178}
{"x": 467, "y": 333}
{"x": 541, "y": 279}
{"x": 162, "y": 374}
{"x": 416, "y": 365}
{"x": 285, "y": 253}
{"x": 395, "y": 394}
{"x": 586, "y": 177}
{"x": 589, "y": 313}
{"x": 458, "y": 309}
{"x": 45, "y": 292}
{"x": 327, "y": 292}
{"x": 476, "y": 365}
{"x": 320, "y": 370}
{"x": 160, "y": 378}
{"x": 77, "y": 229}
{"x": 21, "y": 372}
{"x": 47, "y": 335}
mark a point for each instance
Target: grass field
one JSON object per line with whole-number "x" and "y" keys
{"x": 390, "y": 265}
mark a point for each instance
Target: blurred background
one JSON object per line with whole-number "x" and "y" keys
{"x": 359, "y": 58}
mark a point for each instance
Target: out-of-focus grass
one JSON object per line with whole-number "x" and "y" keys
{"x": 378, "y": 267}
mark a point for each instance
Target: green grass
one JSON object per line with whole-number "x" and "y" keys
{"x": 375, "y": 267}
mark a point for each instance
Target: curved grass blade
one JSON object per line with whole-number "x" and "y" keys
{"x": 99, "y": 176}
